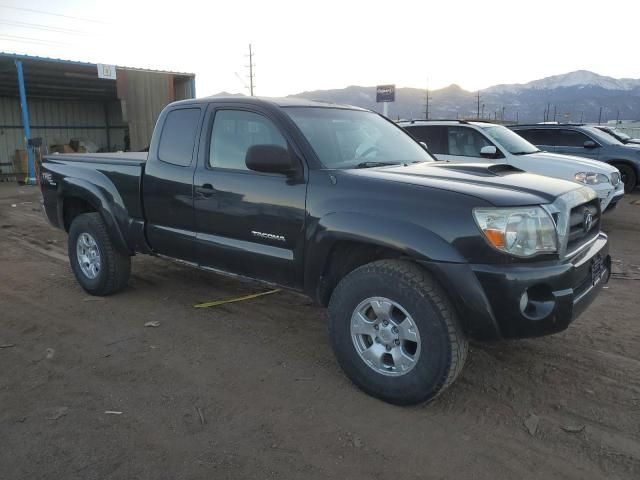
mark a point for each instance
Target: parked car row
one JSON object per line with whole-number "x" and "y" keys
{"x": 480, "y": 142}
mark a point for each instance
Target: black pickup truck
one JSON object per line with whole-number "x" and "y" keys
{"x": 411, "y": 256}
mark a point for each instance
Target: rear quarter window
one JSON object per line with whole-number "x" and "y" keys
{"x": 435, "y": 136}
{"x": 540, "y": 136}
{"x": 178, "y": 136}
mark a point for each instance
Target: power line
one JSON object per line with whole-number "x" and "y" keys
{"x": 38, "y": 26}
{"x": 38, "y": 41}
{"x": 42, "y": 12}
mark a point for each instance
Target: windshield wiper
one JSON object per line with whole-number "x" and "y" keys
{"x": 374, "y": 164}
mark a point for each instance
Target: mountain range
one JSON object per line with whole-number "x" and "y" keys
{"x": 575, "y": 96}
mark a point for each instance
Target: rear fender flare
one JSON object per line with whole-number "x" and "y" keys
{"x": 105, "y": 201}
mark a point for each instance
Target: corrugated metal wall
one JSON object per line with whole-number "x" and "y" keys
{"x": 82, "y": 119}
{"x": 144, "y": 95}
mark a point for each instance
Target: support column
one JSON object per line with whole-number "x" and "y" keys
{"x": 25, "y": 122}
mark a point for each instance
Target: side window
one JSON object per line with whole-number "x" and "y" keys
{"x": 572, "y": 138}
{"x": 178, "y": 136}
{"x": 234, "y": 131}
{"x": 465, "y": 141}
{"x": 434, "y": 136}
{"x": 546, "y": 137}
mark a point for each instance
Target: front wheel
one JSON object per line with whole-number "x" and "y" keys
{"x": 99, "y": 267}
{"x": 395, "y": 332}
{"x": 628, "y": 176}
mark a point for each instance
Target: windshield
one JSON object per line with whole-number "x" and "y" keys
{"x": 510, "y": 141}
{"x": 345, "y": 138}
{"x": 602, "y": 137}
{"x": 616, "y": 133}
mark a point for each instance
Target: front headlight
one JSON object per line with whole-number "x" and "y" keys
{"x": 591, "y": 178}
{"x": 522, "y": 231}
{"x": 615, "y": 178}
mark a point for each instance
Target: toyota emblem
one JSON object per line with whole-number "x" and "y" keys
{"x": 588, "y": 221}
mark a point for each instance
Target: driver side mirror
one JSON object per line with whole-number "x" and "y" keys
{"x": 489, "y": 151}
{"x": 269, "y": 159}
{"x": 590, "y": 144}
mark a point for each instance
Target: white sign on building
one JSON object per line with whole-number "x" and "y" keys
{"x": 107, "y": 71}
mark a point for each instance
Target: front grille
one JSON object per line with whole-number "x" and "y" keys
{"x": 584, "y": 224}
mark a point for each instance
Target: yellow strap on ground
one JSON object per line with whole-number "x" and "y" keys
{"x": 236, "y": 299}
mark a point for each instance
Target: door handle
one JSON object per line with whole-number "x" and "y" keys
{"x": 205, "y": 190}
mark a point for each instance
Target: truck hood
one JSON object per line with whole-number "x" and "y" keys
{"x": 499, "y": 184}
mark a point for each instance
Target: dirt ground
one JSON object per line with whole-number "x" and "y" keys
{"x": 252, "y": 390}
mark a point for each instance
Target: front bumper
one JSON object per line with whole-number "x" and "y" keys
{"x": 557, "y": 293}
{"x": 609, "y": 197}
{"x": 488, "y": 297}
{"x": 617, "y": 196}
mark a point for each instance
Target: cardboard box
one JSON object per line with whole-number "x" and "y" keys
{"x": 66, "y": 148}
{"x": 21, "y": 165}
{"x": 21, "y": 162}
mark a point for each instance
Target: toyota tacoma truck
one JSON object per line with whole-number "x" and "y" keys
{"x": 411, "y": 256}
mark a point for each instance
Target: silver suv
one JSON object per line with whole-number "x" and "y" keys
{"x": 586, "y": 141}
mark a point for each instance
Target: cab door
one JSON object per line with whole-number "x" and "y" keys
{"x": 249, "y": 223}
{"x": 573, "y": 142}
{"x": 464, "y": 145}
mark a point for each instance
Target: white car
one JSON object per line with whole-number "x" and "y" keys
{"x": 462, "y": 141}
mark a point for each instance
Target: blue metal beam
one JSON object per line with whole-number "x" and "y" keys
{"x": 25, "y": 121}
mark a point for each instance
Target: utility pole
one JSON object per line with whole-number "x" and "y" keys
{"x": 251, "y": 75}
{"x": 618, "y": 117}
{"x": 554, "y": 113}
{"x": 581, "y": 117}
{"x": 517, "y": 117}
{"x": 478, "y": 115}
{"x": 503, "y": 113}
{"x": 482, "y": 116}
{"x": 548, "y": 112}
{"x": 426, "y": 105}
{"x": 600, "y": 116}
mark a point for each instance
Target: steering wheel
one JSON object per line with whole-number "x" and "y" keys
{"x": 369, "y": 150}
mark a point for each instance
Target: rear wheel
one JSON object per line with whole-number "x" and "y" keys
{"x": 628, "y": 176}
{"x": 395, "y": 333}
{"x": 98, "y": 266}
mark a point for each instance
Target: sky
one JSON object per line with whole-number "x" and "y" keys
{"x": 310, "y": 45}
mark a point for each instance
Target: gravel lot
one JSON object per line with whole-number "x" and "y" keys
{"x": 252, "y": 390}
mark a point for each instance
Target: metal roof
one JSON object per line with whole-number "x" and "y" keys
{"x": 58, "y": 78}
{"x": 20, "y": 56}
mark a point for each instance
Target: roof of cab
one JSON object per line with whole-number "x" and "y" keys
{"x": 271, "y": 101}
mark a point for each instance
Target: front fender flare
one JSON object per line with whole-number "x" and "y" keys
{"x": 408, "y": 239}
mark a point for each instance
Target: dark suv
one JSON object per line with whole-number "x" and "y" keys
{"x": 586, "y": 141}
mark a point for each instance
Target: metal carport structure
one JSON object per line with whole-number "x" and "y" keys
{"x": 57, "y": 99}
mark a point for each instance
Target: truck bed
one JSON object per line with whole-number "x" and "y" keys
{"x": 112, "y": 179}
{"x": 121, "y": 158}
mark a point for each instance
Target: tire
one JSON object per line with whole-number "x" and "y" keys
{"x": 629, "y": 177}
{"x": 88, "y": 239}
{"x": 441, "y": 348}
